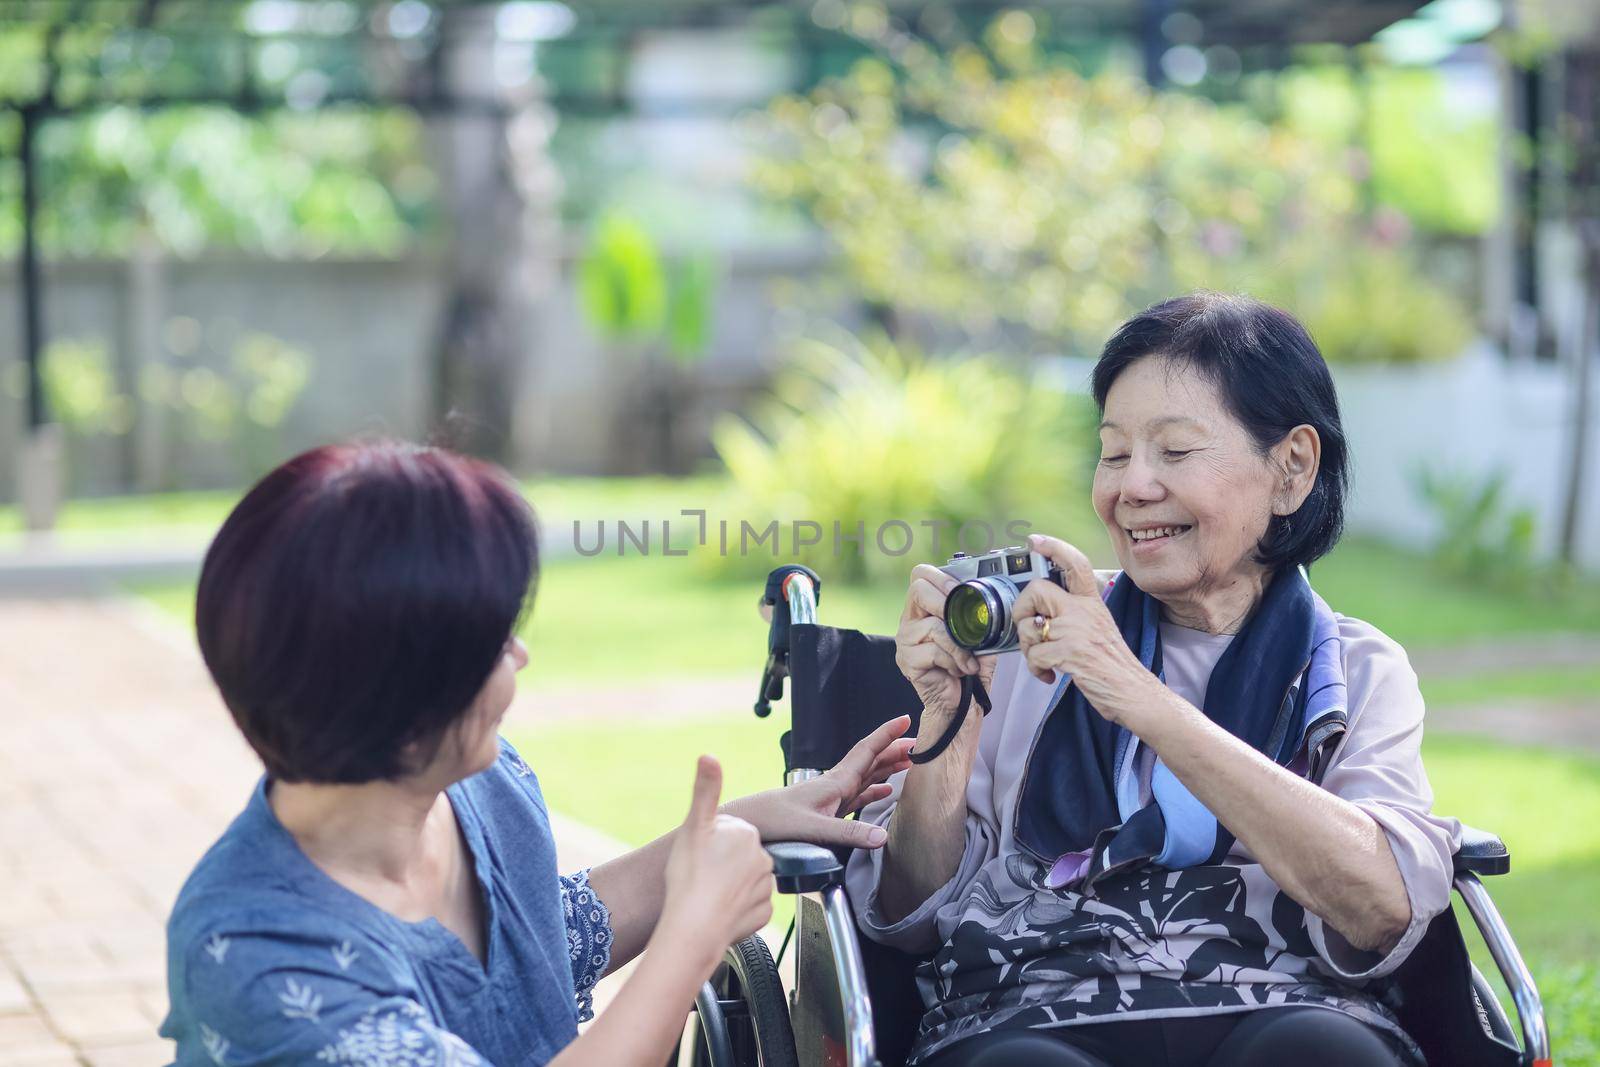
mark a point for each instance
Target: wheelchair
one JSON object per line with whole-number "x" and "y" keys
{"x": 855, "y": 1003}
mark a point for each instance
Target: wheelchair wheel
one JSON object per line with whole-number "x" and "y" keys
{"x": 754, "y": 1007}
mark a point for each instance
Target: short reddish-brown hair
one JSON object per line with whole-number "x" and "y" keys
{"x": 357, "y": 599}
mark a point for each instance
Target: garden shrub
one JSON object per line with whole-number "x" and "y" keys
{"x": 870, "y": 434}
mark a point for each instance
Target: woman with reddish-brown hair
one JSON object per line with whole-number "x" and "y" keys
{"x": 389, "y": 893}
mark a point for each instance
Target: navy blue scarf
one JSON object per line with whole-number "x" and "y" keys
{"x": 1279, "y": 687}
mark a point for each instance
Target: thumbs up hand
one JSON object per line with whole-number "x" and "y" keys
{"x": 719, "y": 878}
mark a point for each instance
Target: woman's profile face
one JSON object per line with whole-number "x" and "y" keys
{"x": 480, "y": 728}
{"x": 1180, "y": 486}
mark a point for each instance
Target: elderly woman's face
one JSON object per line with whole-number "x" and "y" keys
{"x": 1180, "y": 486}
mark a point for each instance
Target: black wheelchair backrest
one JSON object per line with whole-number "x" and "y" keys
{"x": 844, "y": 684}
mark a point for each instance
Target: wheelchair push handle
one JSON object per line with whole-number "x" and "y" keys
{"x": 799, "y": 587}
{"x": 801, "y": 867}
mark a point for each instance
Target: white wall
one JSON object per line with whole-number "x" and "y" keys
{"x": 371, "y": 328}
{"x": 1472, "y": 417}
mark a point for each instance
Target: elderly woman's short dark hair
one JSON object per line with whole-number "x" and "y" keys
{"x": 1271, "y": 378}
{"x": 356, "y": 601}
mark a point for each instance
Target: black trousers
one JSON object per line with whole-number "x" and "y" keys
{"x": 1300, "y": 1035}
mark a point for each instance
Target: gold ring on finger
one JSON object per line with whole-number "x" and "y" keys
{"x": 1044, "y": 627}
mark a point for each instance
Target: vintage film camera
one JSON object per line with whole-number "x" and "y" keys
{"x": 977, "y": 613}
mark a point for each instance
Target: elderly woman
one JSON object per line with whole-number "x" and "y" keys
{"x": 389, "y": 894}
{"x": 1195, "y": 823}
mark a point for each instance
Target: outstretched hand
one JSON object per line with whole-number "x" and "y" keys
{"x": 814, "y": 810}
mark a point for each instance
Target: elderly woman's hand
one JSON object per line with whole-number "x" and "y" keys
{"x": 926, "y": 653}
{"x": 1070, "y": 630}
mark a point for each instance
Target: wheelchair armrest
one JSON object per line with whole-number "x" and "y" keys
{"x": 800, "y": 867}
{"x": 1482, "y": 853}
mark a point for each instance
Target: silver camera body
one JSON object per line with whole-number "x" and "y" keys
{"x": 977, "y": 612}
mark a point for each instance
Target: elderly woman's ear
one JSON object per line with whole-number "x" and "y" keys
{"x": 1297, "y": 457}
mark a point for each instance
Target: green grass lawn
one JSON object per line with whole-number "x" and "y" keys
{"x": 1546, "y": 806}
{"x": 107, "y": 517}
{"x": 622, "y": 619}
{"x": 684, "y": 622}
{"x": 618, "y": 620}
{"x": 561, "y": 499}
{"x": 1553, "y": 684}
{"x": 1404, "y": 595}
{"x": 697, "y": 623}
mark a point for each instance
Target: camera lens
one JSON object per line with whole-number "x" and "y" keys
{"x": 977, "y": 613}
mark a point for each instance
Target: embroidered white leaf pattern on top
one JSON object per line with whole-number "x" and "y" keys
{"x": 217, "y": 947}
{"x": 344, "y": 955}
{"x": 457, "y": 1053}
{"x": 398, "y": 1037}
{"x": 300, "y": 1001}
{"x": 216, "y": 1045}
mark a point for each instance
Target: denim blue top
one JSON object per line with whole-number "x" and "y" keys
{"x": 270, "y": 961}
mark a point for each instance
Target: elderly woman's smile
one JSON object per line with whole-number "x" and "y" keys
{"x": 1185, "y": 493}
{"x": 1155, "y": 536}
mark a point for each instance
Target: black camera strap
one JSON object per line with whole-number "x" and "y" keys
{"x": 971, "y": 689}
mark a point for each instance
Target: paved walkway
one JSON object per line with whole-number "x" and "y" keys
{"x": 118, "y": 766}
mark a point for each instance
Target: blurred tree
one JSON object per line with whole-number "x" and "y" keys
{"x": 988, "y": 190}
{"x": 501, "y": 190}
{"x": 283, "y": 185}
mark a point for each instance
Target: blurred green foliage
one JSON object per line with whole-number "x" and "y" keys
{"x": 1428, "y": 156}
{"x": 1374, "y": 307}
{"x": 691, "y": 296}
{"x": 621, "y": 283}
{"x": 986, "y": 189}
{"x": 283, "y": 184}
{"x": 656, "y": 310}
{"x": 239, "y": 407}
{"x": 80, "y": 389}
{"x": 871, "y": 434}
{"x": 630, "y": 292}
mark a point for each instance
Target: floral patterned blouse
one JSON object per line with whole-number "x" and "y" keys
{"x": 270, "y": 961}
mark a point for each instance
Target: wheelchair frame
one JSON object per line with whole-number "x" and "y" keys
{"x": 817, "y": 876}
{"x": 839, "y": 925}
